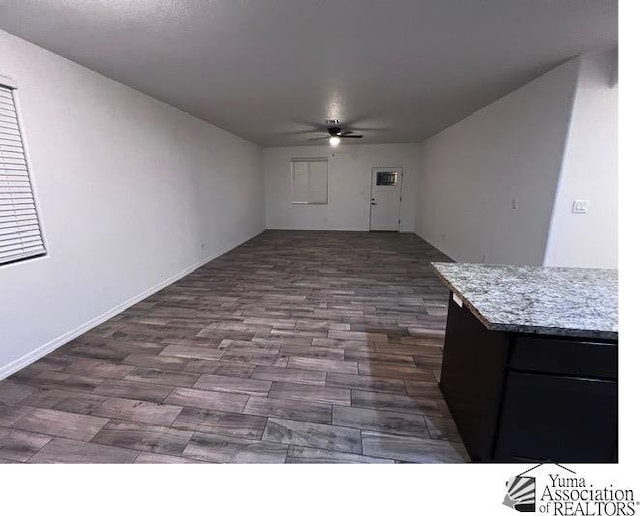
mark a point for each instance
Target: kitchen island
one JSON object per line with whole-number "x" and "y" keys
{"x": 530, "y": 361}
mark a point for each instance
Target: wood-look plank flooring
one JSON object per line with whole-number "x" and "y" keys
{"x": 317, "y": 347}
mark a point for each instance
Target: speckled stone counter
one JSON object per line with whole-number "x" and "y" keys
{"x": 530, "y": 362}
{"x": 542, "y": 300}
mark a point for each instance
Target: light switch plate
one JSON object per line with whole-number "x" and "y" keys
{"x": 580, "y": 206}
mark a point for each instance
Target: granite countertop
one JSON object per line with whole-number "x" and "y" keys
{"x": 542, "y": 300}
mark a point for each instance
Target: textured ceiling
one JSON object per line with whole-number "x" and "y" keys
{"x": 268, "y": 70}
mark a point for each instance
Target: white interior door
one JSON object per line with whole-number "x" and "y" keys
{"x": 386, "y": 190}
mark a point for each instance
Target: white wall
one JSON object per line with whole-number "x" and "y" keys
{"x": 472, "y": 171}
{"x": 132, "y": 194}
{"x": 349, "y": 185}
{"x": 589, "y": 172}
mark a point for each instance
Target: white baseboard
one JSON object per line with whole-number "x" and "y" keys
{"x": 47, "y": 348}
{"x": 358, "y": 229}
{"x": 288, "y": 228}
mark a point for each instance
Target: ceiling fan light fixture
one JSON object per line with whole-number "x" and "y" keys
{"x": 334, "y": 141}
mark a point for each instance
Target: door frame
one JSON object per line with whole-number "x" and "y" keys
{"x": 371, "y": 182}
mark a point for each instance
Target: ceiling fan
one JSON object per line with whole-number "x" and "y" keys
{"x": 336, "y": 134}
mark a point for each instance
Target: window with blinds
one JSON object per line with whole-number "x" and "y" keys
{"x": 309, "y": 180}
{"x": 20, "y": 235}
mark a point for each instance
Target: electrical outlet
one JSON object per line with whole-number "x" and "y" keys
{"x": 580, "y": 206}
{"x": 514, "y": 204}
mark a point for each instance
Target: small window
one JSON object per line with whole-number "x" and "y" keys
{"x": 386, "y": 178}
{"x": 20, "y": 235}
{"x": 309, "y": 180}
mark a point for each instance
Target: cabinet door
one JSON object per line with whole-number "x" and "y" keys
{"x": 557, "y": 418}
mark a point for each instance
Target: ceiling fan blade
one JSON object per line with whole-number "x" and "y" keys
{"x": 321, "y": 138}
{"x": 345, "y": 133}
{"x": 351, "y": 136}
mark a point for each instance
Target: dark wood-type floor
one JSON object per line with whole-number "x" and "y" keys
{"x": 294, "y": 347}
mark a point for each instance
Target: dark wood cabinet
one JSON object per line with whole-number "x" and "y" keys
{"x": 557, "y": 418}
{"x": 519, "y": 397}
{"x": 577, "y": 357}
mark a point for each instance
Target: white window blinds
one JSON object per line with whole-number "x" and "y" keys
{"x": 20, "y": 235}
{"x": 309, "y": 180}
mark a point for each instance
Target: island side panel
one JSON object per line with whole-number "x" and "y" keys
{"x": 473, "y": 371}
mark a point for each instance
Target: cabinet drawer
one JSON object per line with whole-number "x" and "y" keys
{"x": 559, "y": 419}
{"x": 566, "y": 357}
